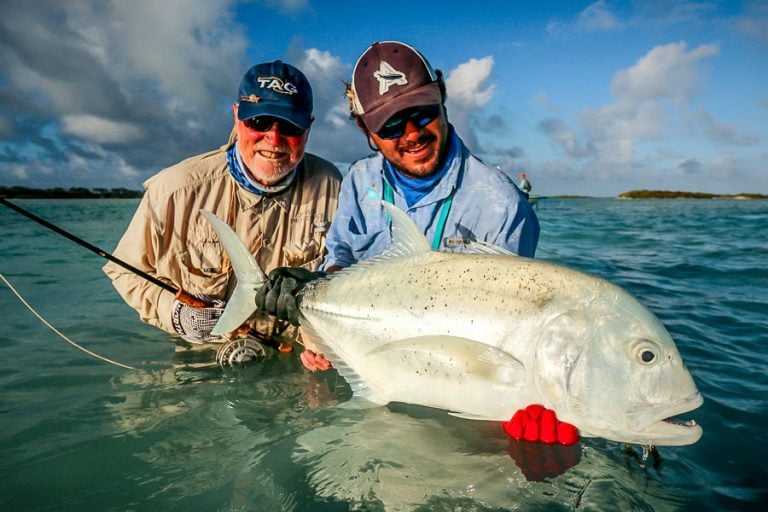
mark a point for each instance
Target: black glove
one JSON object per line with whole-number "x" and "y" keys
{"x": 278, "y": 295}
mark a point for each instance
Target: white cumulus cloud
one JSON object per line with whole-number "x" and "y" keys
{"x": 468, "y": 83}
{"x": 100, "y": 130}
{"x": 666, "y": 72}
{"x": 596, "y": 17}
{"x": 155, "y": 74}
{"x": 469, "y": 88}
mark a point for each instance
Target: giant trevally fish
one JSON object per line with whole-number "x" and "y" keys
{"x": 485, "y": 333}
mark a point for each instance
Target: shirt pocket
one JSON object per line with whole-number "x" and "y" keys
{"x": 312, "y": 264}
{"x": 302, "y": 255}
{"x": 370, "y": 236}
{"x": 369, "y": 245}
{"x": 309, "y": 231}
{"x": 205, "y": 267}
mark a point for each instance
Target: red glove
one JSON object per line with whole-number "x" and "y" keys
{"x": 537, "y": 424}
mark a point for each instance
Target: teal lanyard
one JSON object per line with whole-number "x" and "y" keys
{"x": 389, "y": 196}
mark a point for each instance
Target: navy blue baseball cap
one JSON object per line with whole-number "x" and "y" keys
{"x": 276, "y": 89}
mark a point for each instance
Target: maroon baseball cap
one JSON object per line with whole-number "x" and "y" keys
{"x": 389, "y": 77}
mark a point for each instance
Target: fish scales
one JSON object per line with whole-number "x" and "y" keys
{"x": 485, "y": 333}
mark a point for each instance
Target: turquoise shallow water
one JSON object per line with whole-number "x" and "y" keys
{"x": 181, "y": 434}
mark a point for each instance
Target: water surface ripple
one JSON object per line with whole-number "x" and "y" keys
{"x": 181, "y": 434}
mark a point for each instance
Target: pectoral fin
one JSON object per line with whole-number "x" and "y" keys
{"x": 453, "y": 357}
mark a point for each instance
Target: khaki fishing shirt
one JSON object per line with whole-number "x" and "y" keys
{"x": 169, "y": 239}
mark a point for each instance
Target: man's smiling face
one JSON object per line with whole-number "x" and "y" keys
{"x": 269, "y": 155}
{"x": 418, "y": 152}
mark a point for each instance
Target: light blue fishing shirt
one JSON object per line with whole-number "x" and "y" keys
{"x": 486, "y": 206}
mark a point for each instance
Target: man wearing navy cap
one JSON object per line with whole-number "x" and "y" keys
{"x": 279, "y": 199}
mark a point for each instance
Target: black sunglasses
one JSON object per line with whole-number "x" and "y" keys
{"x": 419, "y": 116}
{"x": 264, "y": 123}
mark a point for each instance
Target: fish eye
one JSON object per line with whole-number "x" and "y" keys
{"x": 645, "y": 352}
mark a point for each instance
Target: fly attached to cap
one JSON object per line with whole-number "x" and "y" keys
{"x": 277, "y": 90}
{"x": 389, "y": 77}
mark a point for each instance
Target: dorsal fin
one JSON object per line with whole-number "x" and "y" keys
{"x": 407, "y": 239}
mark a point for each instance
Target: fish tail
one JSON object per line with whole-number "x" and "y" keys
{"x": 241, "y": 304}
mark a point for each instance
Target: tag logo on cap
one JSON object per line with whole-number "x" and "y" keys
{"x": 277, "y": 85}
{"x": 388, "y": 76}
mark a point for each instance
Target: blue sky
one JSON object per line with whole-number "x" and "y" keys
{"x": 588, "y": 98}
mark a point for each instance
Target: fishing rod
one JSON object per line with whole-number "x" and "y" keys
{"x": 181, "y": 295}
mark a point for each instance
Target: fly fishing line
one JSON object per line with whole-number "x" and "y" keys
{"x": 62, "y": 335}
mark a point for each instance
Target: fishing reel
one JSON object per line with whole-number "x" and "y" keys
{"x": 239, "y": 351}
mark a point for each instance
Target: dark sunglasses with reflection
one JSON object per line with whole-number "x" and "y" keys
{"x": 265, "y": 123}
{"x": 419, "y": 116}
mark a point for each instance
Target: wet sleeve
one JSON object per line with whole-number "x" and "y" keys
{"x": 138, "y": 247}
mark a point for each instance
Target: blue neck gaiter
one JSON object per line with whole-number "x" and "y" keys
{"x": 414, "y": 189}
{"x": 237, "y": 170}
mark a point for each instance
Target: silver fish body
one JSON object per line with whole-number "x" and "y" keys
{"x": 486, "y": 333}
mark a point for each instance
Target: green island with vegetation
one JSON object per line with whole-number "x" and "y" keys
{"x": 68, "y": 193}
{"x": 671, "y": 194}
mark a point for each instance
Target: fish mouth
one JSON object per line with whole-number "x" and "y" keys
{"x": 671, "y": 430}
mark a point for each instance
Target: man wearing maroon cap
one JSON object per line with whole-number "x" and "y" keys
{"x": 421, "y": 166}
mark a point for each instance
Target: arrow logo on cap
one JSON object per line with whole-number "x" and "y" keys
{"x": 388, "y": 76}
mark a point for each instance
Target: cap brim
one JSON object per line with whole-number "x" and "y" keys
{"x": 428, "y": 94}
{"x": 249, "y": 109}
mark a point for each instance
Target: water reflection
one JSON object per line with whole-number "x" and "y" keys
{"x": 274, "y": 437}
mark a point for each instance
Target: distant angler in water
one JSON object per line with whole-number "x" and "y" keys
{"x": 525, "y": 185}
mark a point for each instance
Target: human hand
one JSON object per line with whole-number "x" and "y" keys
{"x": 277, "y": 295}
{"x": 313, "y": 361}
{"x": 537, "y": 424}
{"x": 195, "y": 324}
